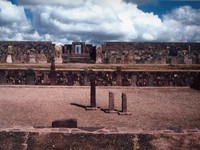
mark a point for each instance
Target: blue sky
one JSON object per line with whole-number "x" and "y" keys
{"x": 94, "y": 21}
{"x": 161, "y": 7}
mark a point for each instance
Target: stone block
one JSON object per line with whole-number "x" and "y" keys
{"x": 66, "y": 123}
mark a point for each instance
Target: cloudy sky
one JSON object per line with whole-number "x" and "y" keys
{"x": 97, "y": 21}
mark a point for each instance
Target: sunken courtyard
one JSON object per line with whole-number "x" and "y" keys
{"x": 117, "y": 95}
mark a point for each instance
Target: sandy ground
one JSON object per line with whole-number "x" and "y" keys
{"x": 151, "y": 108}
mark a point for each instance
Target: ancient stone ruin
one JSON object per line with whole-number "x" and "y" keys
{"x": 108, "y": 52}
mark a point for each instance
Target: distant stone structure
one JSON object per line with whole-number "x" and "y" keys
{"x": 107, "y": 53}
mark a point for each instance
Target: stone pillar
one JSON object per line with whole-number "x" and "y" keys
{"x": 124, "y": 110}
{"x": 9, "y": 55}
{"x": 52, "y": 74}
{"x": 111, "y": 108}
{"x": 30, "y": 77}
{"x": 92, "y": 92}
{"x": 86, "y": 74}
{"x": 119, "y": 76}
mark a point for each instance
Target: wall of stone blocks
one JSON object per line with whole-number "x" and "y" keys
{"x": 20, "y": 50}
{"x": 150, "y": 53}
{"x": 103, "y": 78}
{"x": 101, "y": 139}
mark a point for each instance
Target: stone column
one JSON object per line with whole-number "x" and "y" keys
{"x": 111, "y": 108}
{"x": 53, "y": 72}
{"x": 124, "y": 110}
{"x": 92, "y": 92}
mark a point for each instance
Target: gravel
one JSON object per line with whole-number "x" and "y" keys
{"x": 151, "y": 108}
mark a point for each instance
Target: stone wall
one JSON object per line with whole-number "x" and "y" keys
{"x": 103, "y": 78}
{"x": 21, "y": 51}
{"x": 98, "y": 138}
{"x": 150, "y": 53}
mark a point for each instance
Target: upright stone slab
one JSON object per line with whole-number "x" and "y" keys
{"x": 9, "y": 55}
{"x": 30, "y": 77}
{"x": 111, "y": 104}
{"x": 92, "y": 92}
{"x": 52, "y": 73}
{"x": 124, "y": 110}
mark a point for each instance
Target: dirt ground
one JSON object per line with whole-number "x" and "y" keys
{"x": 151, "y": 108}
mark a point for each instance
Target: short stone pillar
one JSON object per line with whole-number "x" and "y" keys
{"x": 124, "y": 106}
{"x": 9, "y": 55}
{"x": 92, "y": 92}
{"x": 52, "y": 73}
{"x": 111, "y": 104}
{"x": 66, "y": 123}
{"x": 30, "y": 77}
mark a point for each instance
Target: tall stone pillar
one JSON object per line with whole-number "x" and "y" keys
{"x": 92, "y": 92}
{"x": 124, "y": 110}
{"x": 52, "y": 74}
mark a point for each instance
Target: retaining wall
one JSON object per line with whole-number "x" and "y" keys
{"x": 98, "y": 138}
{"x": 103, "y": 77}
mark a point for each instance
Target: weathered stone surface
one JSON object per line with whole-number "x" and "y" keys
{"x": 42, "y": 59}
{"x": 30, "y": 77}
{"x": 100, "y": 141}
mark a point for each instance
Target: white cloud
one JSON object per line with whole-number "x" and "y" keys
{"x": 14, "y": 24}
{"x": 96, "y": 21}
{"x": 183, "y": 24}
